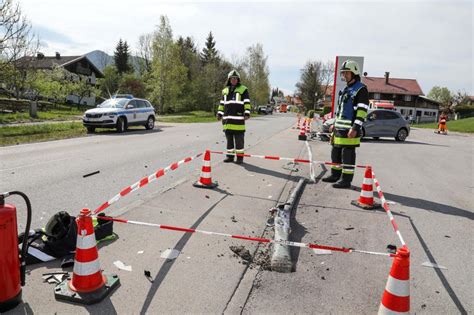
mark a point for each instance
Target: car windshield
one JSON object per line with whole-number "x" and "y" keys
{"x": 114, "y": 103}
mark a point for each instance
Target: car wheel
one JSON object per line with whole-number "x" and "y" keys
{"x": 90, "y": 129}
{"x": 150, "y": 124}
{"x": 376, "y": 138}
{"x": 401, "y": 135}
{"x": 120, "y": 125}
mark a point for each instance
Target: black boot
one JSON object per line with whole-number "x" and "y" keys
{"x": 240, "y": 160}
{"x": 342, "y": 184}
{"x": 229, "y": 159}
{"x": 345, "y": 181}
{"x": 334, "y": 177}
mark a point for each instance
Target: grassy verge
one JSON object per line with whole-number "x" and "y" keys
{"x": 188, "y": 117}
{"x": 56, "y": 114}
{"x": 461, "y": 125}
{"x": 35, "y": 133}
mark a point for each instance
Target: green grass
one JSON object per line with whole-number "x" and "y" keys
{"x": 188, "y": 117}
{"x": 461, "y": 125}
{"x": 43, "y": 132}
{"x": 55, "y": 114}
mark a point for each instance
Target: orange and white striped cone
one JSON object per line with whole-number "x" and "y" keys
{"x": 366, "y": 198}
{"x": 302, "y": 135}
{"x": 205, "y": 181}
{"x": 88, "y": 284}
{"x": 396, "y": 296}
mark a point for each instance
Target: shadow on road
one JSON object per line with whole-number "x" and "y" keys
{"x": 128, "y": 132}
{"x": 166, "y": 266}
{"x": 256, "y": 169}
{"x": 428, "y": 205}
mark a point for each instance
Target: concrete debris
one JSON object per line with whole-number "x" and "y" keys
{"x": 242, "y": 252}
{"x": 121, "y": 265}
{"x": 170, "y": 254}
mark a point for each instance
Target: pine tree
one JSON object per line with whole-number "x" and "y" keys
{"x": 209, "y": 52}
{"x": 121, "y": 55}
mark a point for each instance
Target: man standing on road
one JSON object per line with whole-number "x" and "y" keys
{"x": 346, "y": 131}
{"x": 234, "y": 110}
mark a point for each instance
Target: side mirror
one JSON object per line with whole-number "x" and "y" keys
{"x": 129, "y": 106}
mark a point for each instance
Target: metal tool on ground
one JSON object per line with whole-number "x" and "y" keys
{"x": 12, "y": 262}
{"x": 312, "y": 174}
{"x": 89, "y": 284}
{"x": 396, "y": 296}
{"x": 205, "y": 181}
{"x": 281, "y": 257}
{"x": 249, "y": 238}
{"x": 302, "y": 135}
{"x": 144, "y": 181}
{"x": 366, "y": 198}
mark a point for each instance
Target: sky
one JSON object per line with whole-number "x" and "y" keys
{"x": 431, "y": 41}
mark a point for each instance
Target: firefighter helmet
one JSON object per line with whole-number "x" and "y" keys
{"x": 352, "y": 66}
{"x": 234, "y": 74}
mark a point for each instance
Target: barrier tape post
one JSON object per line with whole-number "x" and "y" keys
{"x": 249, "y": 238}
{"x": 144, "y": 181}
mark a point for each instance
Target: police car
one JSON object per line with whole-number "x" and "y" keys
{"x": 120, "y": 112}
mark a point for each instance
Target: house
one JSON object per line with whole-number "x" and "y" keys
{"x": 80, "y": 67}
{"x": 406, "y": 95}
{"x": 470, "y": 100}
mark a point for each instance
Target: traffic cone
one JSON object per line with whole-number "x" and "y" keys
{"x": 366, "y": 198}
{"x": 205, "y": 181}
{"x": 88, "y": 284}
{"x": 396, "y": 297}
{"x": 302, "y": 135}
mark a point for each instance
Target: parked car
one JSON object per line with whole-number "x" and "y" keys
{"x": 119, "y": 113}
{"x": 264, "y": 109}
{"x": 379, "y": 123}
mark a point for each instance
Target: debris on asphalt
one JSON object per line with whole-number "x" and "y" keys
{"x": 170, "y": 254}
{"x": 349, "y": 228}
{"x": 140, "y": 252}
{"x": 433, "y": 265}
{"x": 90, "y": 174}
{"x": 233, "y": 219}
{"x": 146, "y": 166}
{"x": 207, "y": 197}
{"x": 148, "y": 275}
{"x": 242, "y": 252}
{"x": 447, "y": 236}
{"x": 121, "y": 265}
{"x": 55, "y": 277}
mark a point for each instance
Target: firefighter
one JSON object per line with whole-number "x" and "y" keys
{"x": 234, "y": 110}
{"x": 351, "y": 112}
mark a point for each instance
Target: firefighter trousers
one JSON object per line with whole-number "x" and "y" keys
{"x": 235, "y": 143}
{"x": 343, "y": 155}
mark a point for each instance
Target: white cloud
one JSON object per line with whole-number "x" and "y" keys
{"x": 427, "y": 40}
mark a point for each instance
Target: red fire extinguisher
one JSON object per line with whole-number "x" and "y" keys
{"x": 12, "y": 263}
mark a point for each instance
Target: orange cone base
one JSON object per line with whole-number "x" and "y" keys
{"x": 63, "y": 291}
{"x": 302, "y": 137}
{"x": 358, "y": 204}
{"x": 212, "y": 185}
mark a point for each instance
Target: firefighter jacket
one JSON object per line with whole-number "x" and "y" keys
{"x": 233, "y": 107}
{"x": 351, "y": 113}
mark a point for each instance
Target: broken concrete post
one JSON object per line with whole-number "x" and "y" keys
{"x": 281, "y": 258}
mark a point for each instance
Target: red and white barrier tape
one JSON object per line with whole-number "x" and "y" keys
{"x": 278, "y": 158}
{"x": 384, "y": 203}
{"x": 249, "y": 238}
{"x": 144, "y": 181}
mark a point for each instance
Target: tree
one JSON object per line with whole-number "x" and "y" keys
{"x": 109, "y": 85}
{"x": 52, "y": 84}
{"x": 310, "y": 84}
{"x": 168, "y": 72}
{"x": 257, "y": 73}
{"x": 209, "y": 52}
{"x": 145, "y": 51}
{"x": 442, "y": 95}
{"x": 121, "y": 56}
{"x": 131, "y": 84}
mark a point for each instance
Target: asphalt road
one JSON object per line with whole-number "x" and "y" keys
{"x": 428, "y": 181}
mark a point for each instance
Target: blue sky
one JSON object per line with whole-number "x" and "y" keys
{"x": 431, "y": 41}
